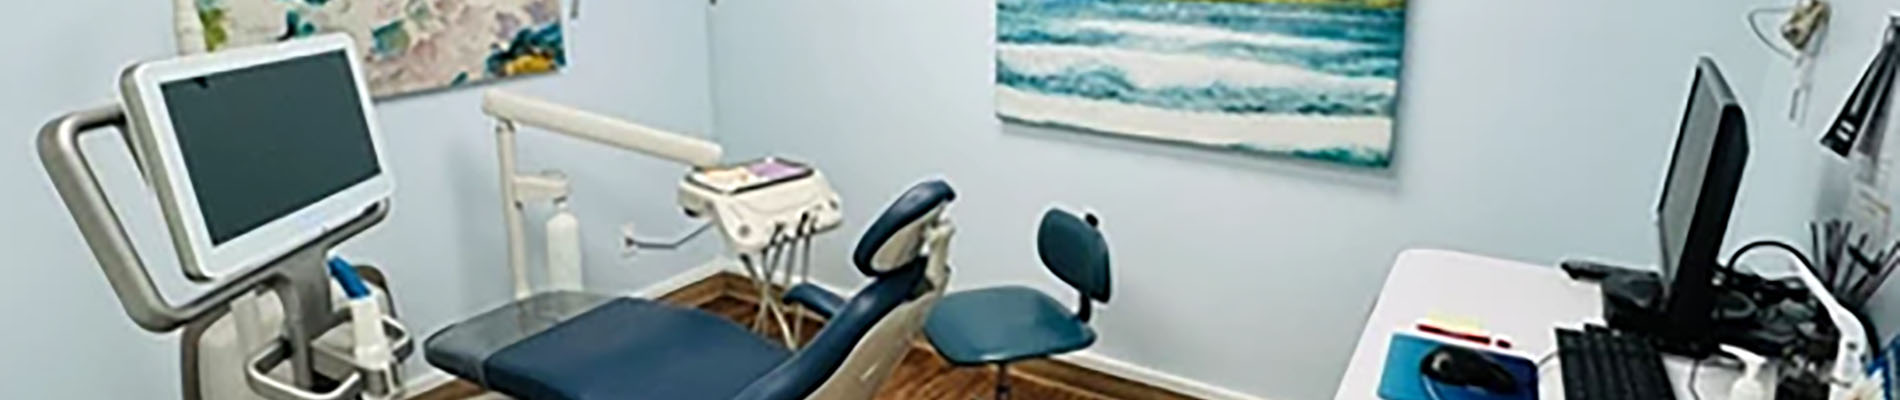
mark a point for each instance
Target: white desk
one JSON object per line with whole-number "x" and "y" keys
{"x": 1510, "y": 298}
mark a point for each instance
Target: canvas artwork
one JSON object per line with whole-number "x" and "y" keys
{"x": 408, "y": 45}
{"x": 1315, "y": 79}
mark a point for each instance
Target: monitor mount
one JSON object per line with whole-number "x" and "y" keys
{"x": 298, "y": 278}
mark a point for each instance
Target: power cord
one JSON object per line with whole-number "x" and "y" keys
{"x": 1798, "y": 255}
{"x": 1754, "y": 25}
{"x": 1695, "y": 370}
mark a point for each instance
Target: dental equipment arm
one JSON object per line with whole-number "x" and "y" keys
{"x": 600, "y": 129}
{"x": 512, "y": 110}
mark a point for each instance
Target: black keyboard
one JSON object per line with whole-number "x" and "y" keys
{"x": 1604, "y": 365}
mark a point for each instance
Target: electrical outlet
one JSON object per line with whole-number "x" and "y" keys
{"x": 628, "y": 246}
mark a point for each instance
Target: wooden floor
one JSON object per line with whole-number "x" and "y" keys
{"x": 922, "y": 375}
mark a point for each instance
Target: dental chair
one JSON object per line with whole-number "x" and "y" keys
{"x": 574, "y": 345}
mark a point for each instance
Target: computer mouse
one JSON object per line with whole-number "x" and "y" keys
{"x": 1457, "y": 366}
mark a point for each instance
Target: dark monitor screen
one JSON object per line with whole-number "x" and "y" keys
{"x": 1682, "y": 187}
{"x": 266, "y": 141}
{"x": 1692, "y": 216}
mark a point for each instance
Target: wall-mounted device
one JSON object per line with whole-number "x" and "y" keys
{"x": 1801, "y": 28}
{"x": 1857, "y": 134}
{"x": 1804, "y": 24}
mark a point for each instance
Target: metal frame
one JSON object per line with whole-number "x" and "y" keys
{"x": 299, "y": 278}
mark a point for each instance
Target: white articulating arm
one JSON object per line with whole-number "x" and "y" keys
{"x": 600, "y": 128}
{"x": 512, "y": 110}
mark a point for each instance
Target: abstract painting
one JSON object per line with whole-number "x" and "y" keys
{"x": 407, "y": 45}
{"x": 1314, "y": 79}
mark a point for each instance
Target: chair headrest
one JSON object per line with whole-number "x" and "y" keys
{"x": 896, "y": 237}
{"x": 1073, "y": 248}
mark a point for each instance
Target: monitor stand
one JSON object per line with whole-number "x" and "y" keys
{"x": 300, "y": 280}
{"x": 1633, "y": 301}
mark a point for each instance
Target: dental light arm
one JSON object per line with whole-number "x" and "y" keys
{"x": 600, "y": 129}
{"x": 517, "y": 188}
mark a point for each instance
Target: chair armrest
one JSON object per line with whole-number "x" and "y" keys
{"x": 823, "y": 302}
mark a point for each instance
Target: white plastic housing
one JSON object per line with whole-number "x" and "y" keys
{"x": 748, "y": 218}
{"x": 564, "y": 249}
{"x": 600, "y": 129}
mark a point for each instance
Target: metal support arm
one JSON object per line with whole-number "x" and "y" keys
{"x": 105, "y": 234}
{"x": 298, "y": 277}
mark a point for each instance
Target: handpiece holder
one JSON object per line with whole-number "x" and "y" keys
{"x": 299, "y": 278}
{"x": 358, "y": 379}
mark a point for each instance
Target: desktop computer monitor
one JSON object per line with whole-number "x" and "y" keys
{"x": 1698, "y": 195}
{"x": 256, "y": 151}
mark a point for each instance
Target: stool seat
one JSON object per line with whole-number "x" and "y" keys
{"x": 1004, "y": 324}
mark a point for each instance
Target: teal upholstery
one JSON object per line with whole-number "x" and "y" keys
{"x": 578, "y": 346}
{"x": 1004, "y": 324}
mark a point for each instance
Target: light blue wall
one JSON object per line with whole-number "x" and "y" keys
{"x": 442, "y": 246}
{"x": 1531, "y": 130}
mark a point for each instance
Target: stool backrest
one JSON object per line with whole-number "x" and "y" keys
{"x": 1073, "y": 248}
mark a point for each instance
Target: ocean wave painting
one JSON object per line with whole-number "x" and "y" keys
{"x": 1315, "y": 79}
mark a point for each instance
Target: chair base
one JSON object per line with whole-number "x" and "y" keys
{"x": 1002, "y": 381}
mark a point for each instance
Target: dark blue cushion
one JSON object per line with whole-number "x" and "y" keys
{"x": 463, "y": 348}
{"x": 909, "y": 209}
{"x": 802, "y": 375}
{"x": 1003, "y": 324}
{"x": 1074, "y": 250}
{"x": 820, "y": 301}
{"x": 634, "y": 349}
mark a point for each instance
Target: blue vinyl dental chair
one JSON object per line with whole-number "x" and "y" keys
{"x": 572, "y": 345}
{"x": 1005, "y": 324}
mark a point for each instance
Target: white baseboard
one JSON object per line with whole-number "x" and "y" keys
{"x": 1144, "y": 375}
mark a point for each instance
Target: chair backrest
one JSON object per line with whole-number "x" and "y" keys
{"x": 1073, "y": 248}
{"x": 896, "y": 237}
{"x": 862, "y": 344}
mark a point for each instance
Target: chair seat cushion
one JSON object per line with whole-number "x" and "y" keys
{"x": 629, "y": 348}
{"x": 462, "y": 348}
{"x": 1004, "y": 324}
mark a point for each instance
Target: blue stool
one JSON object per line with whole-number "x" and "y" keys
{"x": 1006, "y": 324}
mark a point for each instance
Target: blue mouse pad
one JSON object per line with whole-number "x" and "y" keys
{"x": 1402, "y": 379}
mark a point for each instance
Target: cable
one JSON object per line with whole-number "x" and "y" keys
{"x": 1694, "y": 370}
{"x": 1798, "y": 255}
{"x": 1754, "y": 25}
